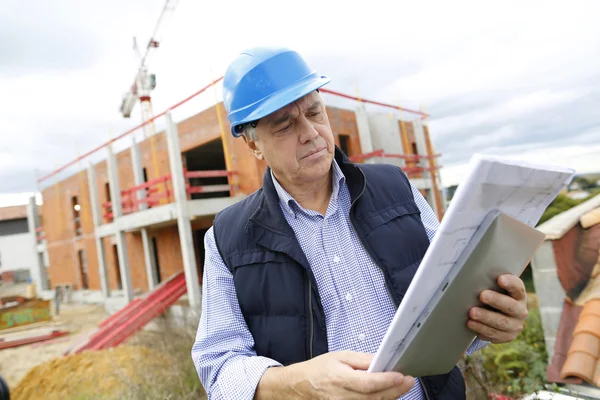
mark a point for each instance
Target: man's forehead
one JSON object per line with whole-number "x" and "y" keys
{"x": 303, "y": 103}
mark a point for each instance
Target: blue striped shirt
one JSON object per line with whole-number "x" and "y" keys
{"x": 358, "y": 309}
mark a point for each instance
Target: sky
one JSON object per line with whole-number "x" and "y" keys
{"x": 513, "y": 78}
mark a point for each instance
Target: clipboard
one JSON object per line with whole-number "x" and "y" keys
{"x": 440, "y": 336}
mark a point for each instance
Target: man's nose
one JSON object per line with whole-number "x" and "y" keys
{"x": 307, "y": 131}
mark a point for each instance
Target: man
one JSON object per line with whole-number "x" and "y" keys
{"x": 303, "y": 277}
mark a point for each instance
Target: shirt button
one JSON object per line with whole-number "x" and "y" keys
{"x": 336, "y": 259}
{"x": 348, "y": 297}
{"x": 325, "y": 223}
{"x": 361, "y": 337}
{"x": 290, "y": 211}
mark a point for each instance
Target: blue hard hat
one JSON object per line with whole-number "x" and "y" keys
{"x": 262, "y": 80}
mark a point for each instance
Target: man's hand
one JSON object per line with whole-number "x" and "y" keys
{"x": 506, "y": 322}
{"x": 335, "y": 375}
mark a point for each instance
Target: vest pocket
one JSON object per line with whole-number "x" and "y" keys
{"x": 402, "y": 277}
{"x": 236, "y": 260}
{"x": 388, "y": 214}
{"x": 268, "y": 284}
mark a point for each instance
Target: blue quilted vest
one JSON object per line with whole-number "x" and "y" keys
{"x": 274, "y": 283}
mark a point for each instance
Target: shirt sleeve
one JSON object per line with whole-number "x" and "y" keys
{"x": 476, "y": 345}
{"x": 428, "y": 217}
{"x": 223, "y": 352}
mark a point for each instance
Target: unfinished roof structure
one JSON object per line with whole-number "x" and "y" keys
{"x": 566, "y": 273}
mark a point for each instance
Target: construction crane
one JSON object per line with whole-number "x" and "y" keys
{"x": 145, "y": 82}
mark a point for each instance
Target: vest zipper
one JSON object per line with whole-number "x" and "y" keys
{"x": 381, "y": 269}
{"x": 361, "y": 241}
{"x": 310, "y": 313}
{"x": 424, "y": 390}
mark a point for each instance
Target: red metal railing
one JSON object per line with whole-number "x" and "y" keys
{"x": 159, "y": 189}
{"x": 190, "y": 189}
{"x": 40, "y": 235}
{"x": 410, "y": 160}
{"x": 378, "y": 103}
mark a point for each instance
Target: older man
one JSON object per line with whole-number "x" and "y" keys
{"x": 303, "y": 277}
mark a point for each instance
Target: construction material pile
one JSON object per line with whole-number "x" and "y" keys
{"x": 113, "y": 373}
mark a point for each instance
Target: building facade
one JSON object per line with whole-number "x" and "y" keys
{"x": 170, "y": 185}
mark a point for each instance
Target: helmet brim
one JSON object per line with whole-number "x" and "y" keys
{"x": 282, "y": 98}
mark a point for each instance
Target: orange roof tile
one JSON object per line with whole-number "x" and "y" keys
{"x": 589, "y": 323}
{"x": 584, "y": 353}
{"x": 13, "y": 212}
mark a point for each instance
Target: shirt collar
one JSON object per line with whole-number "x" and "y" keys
{"x": 288, "y": 202}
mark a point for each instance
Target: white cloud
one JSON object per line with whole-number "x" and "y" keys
{"x": 485, "y": 70}
{"x": 581, "y": 158}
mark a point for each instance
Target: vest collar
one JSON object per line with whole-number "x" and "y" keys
{"x": 268, "y": 219}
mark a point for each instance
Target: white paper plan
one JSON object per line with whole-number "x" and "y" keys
{"x": 519, "y": 189}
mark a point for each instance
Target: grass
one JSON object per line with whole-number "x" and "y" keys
{"x": 176, "y": 381}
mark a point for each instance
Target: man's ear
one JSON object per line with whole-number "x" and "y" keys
{"x": 255, "y": 150}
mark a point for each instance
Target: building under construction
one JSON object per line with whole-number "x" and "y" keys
{"x": 121, "y": 225}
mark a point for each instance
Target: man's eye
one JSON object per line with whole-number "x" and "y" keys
{"x": 313, "y": 114}
{"x": 287, "y": 127}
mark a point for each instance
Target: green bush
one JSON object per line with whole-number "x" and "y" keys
{"x": 559, "y": 204}
{"x": 514, "y": 368}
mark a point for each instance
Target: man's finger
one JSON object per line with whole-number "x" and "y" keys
{"x": 514, "y": 286}
{"x": 395, "y": 392}
{"x": 496, "y": 320}
{"x": 355, "y": 360}
{"x": 493, "y": 335}
{"x": 372, "y": 382}
{"x": 504, "y": 304}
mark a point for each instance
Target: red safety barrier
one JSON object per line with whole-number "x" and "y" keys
{"x": 208, "y": 174}
{"x": 378, "y": 103}
{"x": 410, "y": 158}
{"x": 208, "y": 189}
{"x": 122, "y": 313}
{"x": 133, "y": 317}
{"x": 382, "y": 153}
{"x": 40, "y": 234}
{"x": 32, "y": 339}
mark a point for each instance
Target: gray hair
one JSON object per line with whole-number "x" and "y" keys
{"x": 249, "y": 132}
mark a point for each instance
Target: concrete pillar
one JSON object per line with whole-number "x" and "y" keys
{"x": 183, "y": 219}
{"x": 97, "y": 220}
{"x": 364, "y": 132}
{"x": 115, "y": 195}
{"x": 39, "y": 275}
{"x": 385, "y": 134}
{"x": 422, "y": 150}
{"x": 138, "y": 176}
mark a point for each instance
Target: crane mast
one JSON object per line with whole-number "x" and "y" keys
{"x": 145, "y": 82}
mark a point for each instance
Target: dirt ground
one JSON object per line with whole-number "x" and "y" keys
{"x": 78, "y": 319}
{"x": 107, "y": 374}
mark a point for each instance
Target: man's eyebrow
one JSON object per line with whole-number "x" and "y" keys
{"x": 281, "y": 119}
{"x": 315, "y": 106}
